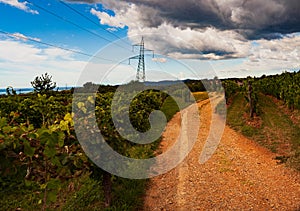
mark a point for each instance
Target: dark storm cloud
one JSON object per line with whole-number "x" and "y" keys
{"x": 209, "y": 29}
{"x": 254, "y": 19}
{"x": 185, "y": 13}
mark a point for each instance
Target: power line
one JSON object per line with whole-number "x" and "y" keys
{"x": 74, "y": 24}
{"x": 91, "y": 20}
{"x": 54, "y": 46}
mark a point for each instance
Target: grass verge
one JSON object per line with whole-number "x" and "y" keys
{"x": 272, "y": 128}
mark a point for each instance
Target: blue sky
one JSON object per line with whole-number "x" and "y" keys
{"x": 51, "y": 29}
{"x": 47, "y": 28}
{"x": 190, "y": 46}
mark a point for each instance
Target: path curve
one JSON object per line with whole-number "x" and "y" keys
{"x": 241, "y": 175}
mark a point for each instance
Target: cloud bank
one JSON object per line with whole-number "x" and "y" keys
{"x": 25, "y": 61}
{"x": 207, "y": 29}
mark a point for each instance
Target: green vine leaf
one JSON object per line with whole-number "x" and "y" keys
{"x": 61, "y": 139}
{"x": 50, "y": 151}
{"x": 28, "y": 150}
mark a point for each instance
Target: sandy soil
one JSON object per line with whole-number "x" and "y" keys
{"x": 241, "y": 175}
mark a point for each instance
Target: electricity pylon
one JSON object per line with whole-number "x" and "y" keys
{"x": 140, "y": 72}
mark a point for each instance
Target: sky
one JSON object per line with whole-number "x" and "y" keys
{"x": 77, "y": 41}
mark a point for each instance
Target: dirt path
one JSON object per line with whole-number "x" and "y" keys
{"x": 240, "y": 175}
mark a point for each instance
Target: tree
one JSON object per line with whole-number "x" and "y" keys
{"x": 43, "y": 83}
{"x": 10, "y": 91}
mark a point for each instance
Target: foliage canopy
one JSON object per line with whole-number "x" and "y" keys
{"x": 43, "y": 83}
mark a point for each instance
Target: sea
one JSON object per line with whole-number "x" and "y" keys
{"x": 28, "y": 90}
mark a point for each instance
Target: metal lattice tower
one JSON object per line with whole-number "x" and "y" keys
{"x": 141, "y": 66}
{"x": 140, "y": 72}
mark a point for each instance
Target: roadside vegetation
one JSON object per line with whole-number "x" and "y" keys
{"x": 44, "y": 167}
{"x": 275, "y": 122}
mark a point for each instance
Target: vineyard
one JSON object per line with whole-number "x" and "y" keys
{"x": 285, "y": 87}
{"x": 44, "y": 166}
{"x": 275, "y": 102}
{"x": 42, "y": 159}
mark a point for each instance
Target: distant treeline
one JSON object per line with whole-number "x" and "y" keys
{"x": 193, "y": 85}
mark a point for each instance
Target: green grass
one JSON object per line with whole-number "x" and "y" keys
{"x": 235, "y": 112}
{"x": 127, "y": 195}
{"x": 200, "y": 96}
{"x": 170, "y": 108}
{"x": 20, "y": 197}
{"x": 84, "y": 193}
{"x": 87, "y": 194}
{"x": 276, "y": 130}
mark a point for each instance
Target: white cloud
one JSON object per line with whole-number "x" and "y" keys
{"x": 266, "y": 57}
{"x": 23, "y": 37}
{"x": 161, "y": 60}
{"x": 106, "y": 19}
{"x": 178, "y": 41}
{"x": 281, "y": 53}
{"x": 15, "y": 51}
{"x": 208, "y": 43}
{"x": 126, "y": 14}
{"x": 112, "y": 29}
{"x": 20, "y": 5}
{"x": 22, "y": 62}
{"x": 167, "y": 39}
{"x": 54, "y": 53}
